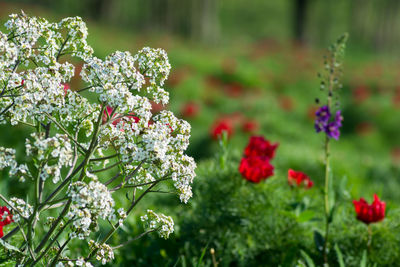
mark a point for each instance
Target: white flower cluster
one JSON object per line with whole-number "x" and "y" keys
{"x": 79, "y": 262}
{"x": 121, "y": 214}
{"x": 33, "y": 93}
{"x": 57, "y": 151}
{"x": 160, "y": 144}
{"x": 7, "y": 158}
{"x": 20, "y": 207}
{"x": 104, "y": 252}
{"x": 164, "y": 225}
{"x": 89, "y": 202}
{"x": 154, "y": 64}
{"x": 28, "y": 94}
{"x": 78, "y": 112}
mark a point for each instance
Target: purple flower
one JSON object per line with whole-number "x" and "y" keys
{"x": 323, "y": 122}
{"x": 332, "y": 130}
{"x": 338, "y": 118}
{"x": 323, "y": 115}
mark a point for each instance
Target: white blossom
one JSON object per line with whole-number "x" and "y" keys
{"x": 164, "y": 225}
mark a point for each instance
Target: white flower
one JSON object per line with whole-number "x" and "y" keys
{"x": 164, "y": 225}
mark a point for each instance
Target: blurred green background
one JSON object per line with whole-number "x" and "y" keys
{"x": 257, "y": 60}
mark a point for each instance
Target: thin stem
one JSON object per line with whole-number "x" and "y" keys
{"x": 54, "y": 226}
{"x": 327, "y": 168}
{"x": 26, "y": 241}
{"x": 51, "y": 243}
{"x": 53, "y": 263}
{"x": 106, "y": 168}
{"x": 86, "y": 88}
{"x": 137, "y": 185}
{"x": 135, "y": 238}
{"x": 112, "y": 179}
{"x": 83, "y": 150}
{"x": 62, "y": 47}
{"x": 104, "y": 158}
{"x": 369, "y": 237}
{"x": 92, "y": 143}
{"x": 127, "y": 177}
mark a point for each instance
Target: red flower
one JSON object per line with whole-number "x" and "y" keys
{"x": 66, "y": 88}
{"x": 259, "y": 146}
{"x": 190, "y": 110}
{"x": 256, "y": 168}
{"x": 250, "y": 126}
{"x": 219, "y": 127}
{"x": 4, "y": 211}
{"x": 370, "y": 213}
{"x": 299, "y": 178}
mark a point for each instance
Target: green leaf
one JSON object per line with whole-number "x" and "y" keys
{"x": 202, "y": 256}
{"x": 176, "y": 263}
{"x": 309, "y": 261}
{"x": 319, "y": 241}
{"x": 363, "y": 262}
{"x": 305, "y": 216}
{"x": 339, "y": 256}
{"x": 8, "y": 246}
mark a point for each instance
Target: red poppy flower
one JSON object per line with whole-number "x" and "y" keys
{"x": 256, "y": 168}
{"x": 250, "y": 126}
{"x": 370, "y": 213}
{"x": 219, "y": 127}
{"x": 190, "y": 110}
{"x": 5, "y": 219}
{"x": 299, "y": 178}
{"x": 259, "y": 146}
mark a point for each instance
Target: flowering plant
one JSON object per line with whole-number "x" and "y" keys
{"x": 86, "y": 147}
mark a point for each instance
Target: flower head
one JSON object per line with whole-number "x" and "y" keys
{"x": 326, "y": 123}
{"x": 259, "y": 146}
{"x": 221, "y": 126}
{"x": 323, "y": 115}
{"x": 256, "y": 168}
{"x": 299, "y": 178}
{"x": 370, "y": 213}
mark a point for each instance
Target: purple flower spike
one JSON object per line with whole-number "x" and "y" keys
{"x": 323, "y": 122}
{"x": 323, "y": 115}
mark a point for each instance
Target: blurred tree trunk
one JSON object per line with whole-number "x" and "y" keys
{"x": 204, "y": 20}
{"x": 299, "y": 19}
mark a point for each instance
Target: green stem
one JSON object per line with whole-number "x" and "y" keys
{"x": 326, "y": 200}
{"x": 369, "y": 238}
